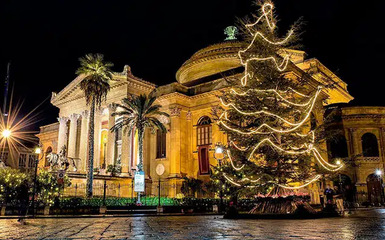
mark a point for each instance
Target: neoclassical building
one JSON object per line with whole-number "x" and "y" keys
{"x": 187, "y": 147}
{"x": 361, "y": 144}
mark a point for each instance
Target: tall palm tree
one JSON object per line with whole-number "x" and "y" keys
{"x": 138, "y": 113}
{"x": 97, "y": 74}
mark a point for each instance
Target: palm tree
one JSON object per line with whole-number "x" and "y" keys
{"x": 95, "y": 85}
{"x": 138, "y": 113}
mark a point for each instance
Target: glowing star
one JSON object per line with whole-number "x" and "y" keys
{"x": 14, "y": 135}
{"x": 231, "y": 32}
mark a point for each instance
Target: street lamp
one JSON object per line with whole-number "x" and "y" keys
{"x": 219, "y": 149}
{"x": 104, "y": 152}
{"x": 37, "y": 152}
{"x": 339, "y": 162}
{"x": 378, "y": 172}
{"x": 6, "y": 133}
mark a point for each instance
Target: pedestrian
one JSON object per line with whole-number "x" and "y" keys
{"x": 23, "y": 197}
{"x": 329, "y": 195}
{"x": 339, "y": 200}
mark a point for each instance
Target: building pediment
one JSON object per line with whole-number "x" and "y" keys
{"x": 72, "y": 91}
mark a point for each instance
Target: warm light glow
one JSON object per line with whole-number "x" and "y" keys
{"x": 37, "y": 150}
{"x": 338, "y": 162}
{"x": 378, "y": 172}
{"x": 219, "y": 149}
{"x": 6, "y": 133}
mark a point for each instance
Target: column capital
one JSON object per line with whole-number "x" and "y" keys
{"x": 111, "y": 108}
{"x": 74, "y": 117}
{"x": 175, "y": 111}
{"x": 62, "y": 120}
{"x": 85, "y": 114}
{"x": 189, "y": 115}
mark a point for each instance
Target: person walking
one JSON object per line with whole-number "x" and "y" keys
{"x": 339, "y": 200}
{"x": 23, "y": 198}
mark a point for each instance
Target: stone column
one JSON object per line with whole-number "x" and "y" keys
{"x": 125, "y": 157}
{"x": 111, "y": 136}
{"x": 62, "y": 139}
{"x": 72, "y": 135}
{"x": 175, "y": 138}
{"x": 97, "y": 140}
{"x": 190, "y": 142}
{"x": 84, "y": 141}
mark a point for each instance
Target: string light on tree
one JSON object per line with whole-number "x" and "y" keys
{"x": 266, "y": 115}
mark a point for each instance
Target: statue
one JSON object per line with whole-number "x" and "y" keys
{"x": 2, "y": 164}
{"x": 231, "y": 32}
{"x": 60, "y": 160}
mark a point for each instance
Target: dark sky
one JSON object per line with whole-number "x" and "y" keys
{"x": 45, "y": 38}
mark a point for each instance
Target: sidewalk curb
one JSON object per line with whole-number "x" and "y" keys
{"x": 111, "y": 216}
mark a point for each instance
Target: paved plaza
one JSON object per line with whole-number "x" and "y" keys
{"x": 367, "y": 224}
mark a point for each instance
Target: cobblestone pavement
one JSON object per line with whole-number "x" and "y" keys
{"x": 368, "y": 224}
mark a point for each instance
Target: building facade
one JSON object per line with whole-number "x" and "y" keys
{"x": 361, "y": 145}
{"x": 186, "y": 150}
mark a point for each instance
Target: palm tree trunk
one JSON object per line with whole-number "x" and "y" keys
{"x": 90, "y": 170}
{"x": 140, "y": 141}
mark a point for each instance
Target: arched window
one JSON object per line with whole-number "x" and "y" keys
{"x": 369, "y": 145}
{"x": 204, "y": 131}
{"x": 339, "y": 147}
{"x": 48, "y": 150}
{"x": 204, "y": 135}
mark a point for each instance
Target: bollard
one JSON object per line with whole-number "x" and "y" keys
{"x": 2, "y": 212}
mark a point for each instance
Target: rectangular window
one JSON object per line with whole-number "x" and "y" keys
{"x": 31, "y": 161}
{"x": 160, "y": 144}
{"x": 22, "y": 160}
{"x": 204, "y": 164}
{"x": 204, "y": 135}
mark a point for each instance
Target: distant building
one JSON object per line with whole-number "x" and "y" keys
{"x": 362, "y": 145}
{"x": 22, "y": 158}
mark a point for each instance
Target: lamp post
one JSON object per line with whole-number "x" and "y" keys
{"x": 104, "y": 152}
{"x": 219, "y": 149}
{"x": 339, "y": 162}
{"x": 378, "y": 173}
{"x": 37, "y": 152}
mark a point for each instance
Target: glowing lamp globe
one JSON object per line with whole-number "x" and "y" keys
{"x": 378, "y": 172}
{"x": 6, "y": 133}
{"x": 37, "y": 150}
{"x": 338, "y": 162}
{"x": 219, "y": 149}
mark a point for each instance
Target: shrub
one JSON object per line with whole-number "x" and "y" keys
{"x": 10, "y": 181}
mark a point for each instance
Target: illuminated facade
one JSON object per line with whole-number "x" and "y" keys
{"x": 187, "y": 148}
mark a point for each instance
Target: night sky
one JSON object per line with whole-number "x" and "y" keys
{"x": 44, "y": 40}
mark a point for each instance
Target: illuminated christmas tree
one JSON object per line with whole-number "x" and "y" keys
{"x": 266, "y": 116}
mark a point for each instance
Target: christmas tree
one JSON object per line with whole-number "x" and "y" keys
{"x": 266, "y": 114}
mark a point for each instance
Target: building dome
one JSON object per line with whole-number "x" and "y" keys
{"x": 209, "y": 61}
